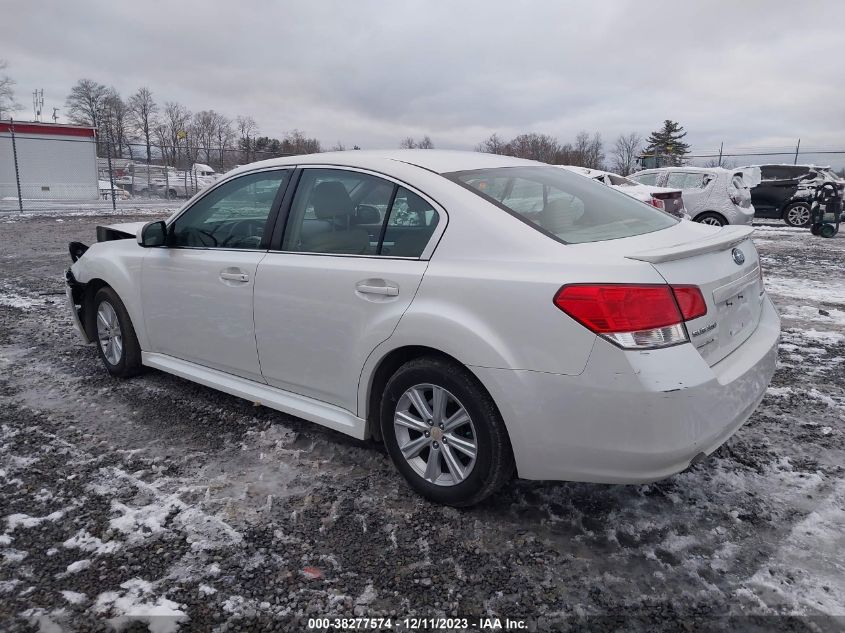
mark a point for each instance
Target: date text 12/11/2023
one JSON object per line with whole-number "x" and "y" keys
{"x": 418, "y": 624}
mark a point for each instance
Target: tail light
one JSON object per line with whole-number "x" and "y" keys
{"x": 735, "y": 198}
{"x": 657, "y": 203}
{"x": 633, "y": 316}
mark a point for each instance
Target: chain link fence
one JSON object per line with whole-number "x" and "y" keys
{"x": 55, "y": 167}
{"x": 52, "y": 167}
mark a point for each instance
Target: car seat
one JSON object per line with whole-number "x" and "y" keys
{"x": 332, "y": 205}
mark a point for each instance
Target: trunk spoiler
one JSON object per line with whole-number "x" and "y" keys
{"x": 728, "y": 236}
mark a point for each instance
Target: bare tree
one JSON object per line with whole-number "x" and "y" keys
{"x": 492, "y": 145}
{"x": 625, "y": 151}
{"x": 7, "y": 93}
{"x": 225, "y": 138}
{"x": 175, "y": 122}
{"x": 204, "y": 131}
{"x": 410, "y": 143}
{"x": 142, "y": 113}
{"x": 533, "y": 146}
{"x": 248, "y": 129}
{"x": 295, "y": 142}
{"x": 115, "y": 120}
{"x": 338, "y": 147}
{"x": 587, "y": 151}
{"x": 84, "y": 105}
{"x": 85, "y": 101}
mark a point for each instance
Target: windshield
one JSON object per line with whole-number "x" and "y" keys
{"x": 566, "y": 206}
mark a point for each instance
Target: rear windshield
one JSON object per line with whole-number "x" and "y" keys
{"x": 566, "y": 206}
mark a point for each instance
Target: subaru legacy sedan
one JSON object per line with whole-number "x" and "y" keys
{"x": 481, "y": 315}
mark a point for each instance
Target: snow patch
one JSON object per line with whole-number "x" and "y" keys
{"x": 137, "y": 604}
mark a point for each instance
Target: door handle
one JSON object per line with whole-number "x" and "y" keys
{"x": 242, "y": 277}
{"x": 387, "y": 291}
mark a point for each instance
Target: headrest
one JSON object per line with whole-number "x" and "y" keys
{"x": 330, "y": 200}
{"x": 367, "y": 215}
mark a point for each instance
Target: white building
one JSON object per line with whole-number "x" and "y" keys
{"x": 55, "y": 162}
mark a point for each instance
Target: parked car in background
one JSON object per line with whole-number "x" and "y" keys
{"x": 105, "y": 188}
{"x": 712, "y": 195}
{"x": 477, "y": 313}
{"x": 786, "y": 191}
{"x": 664, "y": 198}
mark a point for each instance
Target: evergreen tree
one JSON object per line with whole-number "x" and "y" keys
{"x": 667, "y": 143}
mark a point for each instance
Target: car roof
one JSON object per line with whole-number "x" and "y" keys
{"x": 438, "y": 161}
{"x": 689, "y": 168}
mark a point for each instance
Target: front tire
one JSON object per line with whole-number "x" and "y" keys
{"x": 797, "y": 214}
{"x": 117, "y": 344}
{"x": 444, "y": 433}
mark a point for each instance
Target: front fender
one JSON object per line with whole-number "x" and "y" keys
{"x": 118, "y": 264}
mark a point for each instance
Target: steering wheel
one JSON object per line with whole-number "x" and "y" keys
{"x": 248, "y": 238}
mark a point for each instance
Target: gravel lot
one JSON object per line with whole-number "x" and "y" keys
{"x": 159, "y": 501}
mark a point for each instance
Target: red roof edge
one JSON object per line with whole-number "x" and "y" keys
{"x": 49, "y": 128}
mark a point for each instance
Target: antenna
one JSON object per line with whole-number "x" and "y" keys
{"x": 37, "y": 103}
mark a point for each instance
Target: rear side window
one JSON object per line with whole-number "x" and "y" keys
{"x": 342, "y": 212}
{"x": 645, "y": 179}
{"x": 566, "y": 206}
{"x": 687, "y": 180}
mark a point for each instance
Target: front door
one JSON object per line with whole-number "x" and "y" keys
{"x": 197, "y": 291}
{"x": 348, "y": 267}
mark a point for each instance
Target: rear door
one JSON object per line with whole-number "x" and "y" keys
{"x": 777, "y": 186}
{"x": 334, "y": 286}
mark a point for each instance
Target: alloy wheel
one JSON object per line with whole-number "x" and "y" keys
{"x": 712, "y": 221}
{"x": 109, "y": 333}
{"x": 435, "y": 434}
{"x": 798, "y": 215}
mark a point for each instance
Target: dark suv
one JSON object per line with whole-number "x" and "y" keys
{"x": 786, "y": 191}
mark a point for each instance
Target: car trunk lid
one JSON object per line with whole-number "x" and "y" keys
{"x": 725, "y": 266}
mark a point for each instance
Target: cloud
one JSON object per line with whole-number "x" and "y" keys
{"x": 371, "y": 71}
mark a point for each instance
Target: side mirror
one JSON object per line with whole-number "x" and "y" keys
{"x": 153, "y": 234}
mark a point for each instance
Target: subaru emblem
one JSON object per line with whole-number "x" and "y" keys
{"x": 739, "y": 257}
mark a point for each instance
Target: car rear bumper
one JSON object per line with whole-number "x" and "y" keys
{"x": 632, "y": 417}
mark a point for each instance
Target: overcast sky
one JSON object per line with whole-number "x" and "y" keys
{"x": 751, "y": 73}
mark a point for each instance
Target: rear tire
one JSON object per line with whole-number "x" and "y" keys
{"x": 438, "y": 446}
{"x": 711, "y": 218}
{"x": 797, "y": 215}
{"x": 117, "y": 343}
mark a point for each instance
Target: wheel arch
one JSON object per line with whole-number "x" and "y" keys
{"x": 385, "y": 366}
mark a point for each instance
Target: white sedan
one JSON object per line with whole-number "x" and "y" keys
{"x": 479, "y": 314}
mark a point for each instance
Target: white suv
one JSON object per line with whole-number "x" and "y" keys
{"x": 477, "y": 313}
{"x": 712, "y": 195}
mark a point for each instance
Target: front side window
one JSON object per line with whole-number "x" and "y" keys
{"x": 233, "y": 215}
{"x": 564, "y": 205}
{"x": 344, "y": 212}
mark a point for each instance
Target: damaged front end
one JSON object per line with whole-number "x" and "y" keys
{"x": 75, "y": 292}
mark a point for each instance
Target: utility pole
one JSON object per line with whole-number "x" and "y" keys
{"x": 721, "y": 147}
{"x": 795, "y": 162}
